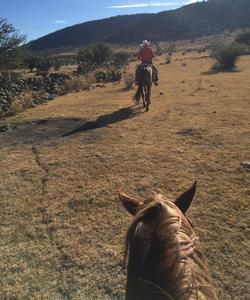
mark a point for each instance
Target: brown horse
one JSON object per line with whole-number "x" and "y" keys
{"x": 144, "y": 85}
{"x": 164, "y": 256}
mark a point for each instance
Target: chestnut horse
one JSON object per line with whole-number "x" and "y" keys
{"x": 144, "y": 85}
{"x": 163, "y": 251}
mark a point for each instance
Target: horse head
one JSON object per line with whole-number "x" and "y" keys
{"x": 163, "y": 252}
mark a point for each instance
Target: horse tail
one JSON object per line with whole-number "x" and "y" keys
{"x": 138, "y": 94}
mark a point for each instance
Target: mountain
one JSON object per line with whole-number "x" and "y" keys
{"x": 85, "y": 33}
{"x": 190, "y": 21}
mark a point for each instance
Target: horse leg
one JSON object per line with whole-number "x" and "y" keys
{"x": 144, "y": 96}
{"x": 148, "y": 97}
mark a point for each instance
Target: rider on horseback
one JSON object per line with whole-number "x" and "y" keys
{"x": 146, "y": 55}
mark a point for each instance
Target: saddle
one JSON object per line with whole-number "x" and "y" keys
{"x": 145, "y": 64}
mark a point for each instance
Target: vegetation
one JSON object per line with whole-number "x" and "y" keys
{"x": 159, "y": 49}
{"x": 96, "y": 55}
{"x": 244, "y": 38}
{"x": 43, "y": 65}
{"x": 171, "y": 48}
{"x": 57, "y": 64}
{"x": 168, "y": 59}
{"x": 10, "y": 42}
{"x": 31, "y": 61}
{"x": 226, "y": 55}
{"x": 129, "y": 79}
{"x": 76, "y": 84}
{"x": 120, "y": 59}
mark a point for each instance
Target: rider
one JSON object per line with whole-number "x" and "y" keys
{"x": 146, "y": 55}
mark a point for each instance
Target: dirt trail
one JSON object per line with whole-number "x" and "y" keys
{"x": 62, "y": 227}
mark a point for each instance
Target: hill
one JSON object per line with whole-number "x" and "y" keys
{"x": 190, "y": 21}
{"x": 85, "y": 33}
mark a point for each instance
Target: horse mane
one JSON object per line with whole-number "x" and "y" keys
{"x": 187, "y": 273}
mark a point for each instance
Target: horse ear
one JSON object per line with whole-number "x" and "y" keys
{"x": 130, "y": 203}
{"x": 184, "y": 200}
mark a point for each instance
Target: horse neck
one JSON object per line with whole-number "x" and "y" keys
{"x": 168, "y": 264}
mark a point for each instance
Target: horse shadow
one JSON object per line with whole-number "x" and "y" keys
{"x": 38, "y": 131}
{"x": 108, "y": 119}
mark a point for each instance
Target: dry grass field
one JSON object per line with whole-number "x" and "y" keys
{"x": 62, "y": 226}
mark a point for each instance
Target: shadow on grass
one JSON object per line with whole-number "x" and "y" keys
{"x": 38, "y": 131}
{"x": 218, "y": 71}
{"x": 105, "y": 120}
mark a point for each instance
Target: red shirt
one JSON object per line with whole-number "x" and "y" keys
{"x": 146, "y": 54}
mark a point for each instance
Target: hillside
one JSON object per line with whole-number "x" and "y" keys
{"x": 85, "y": 33}
{"x": 62, "y": 226}
{"x": 190, "y": 21}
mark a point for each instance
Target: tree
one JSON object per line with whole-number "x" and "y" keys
{"x": 244, "y": 38}
{"x": 121, "y": 58}
{"x": 43, "y": 65}
{"x": 10, "y": 42}
{"x": 226, "y": 55}
{"x": 31, "y": 61}
{"x": 95, "y": 55}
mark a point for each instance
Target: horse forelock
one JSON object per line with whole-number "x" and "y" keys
{"x": 182, "y": 259}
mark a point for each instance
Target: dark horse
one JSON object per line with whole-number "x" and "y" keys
{"x": 163, "y": 251}
{"x": 144, "y": 85}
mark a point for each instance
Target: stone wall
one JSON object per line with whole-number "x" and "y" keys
{"x": 38, "y": 89}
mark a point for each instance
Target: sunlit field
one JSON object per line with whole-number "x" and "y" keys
{"x": 62, "y": 226}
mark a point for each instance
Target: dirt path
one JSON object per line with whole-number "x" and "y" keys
{"x": 62, "y": 227}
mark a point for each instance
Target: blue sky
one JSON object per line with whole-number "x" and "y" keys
{"x": 35, "y": 18}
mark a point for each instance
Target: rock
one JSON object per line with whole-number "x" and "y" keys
{"x": 4, "y": 127}
{"x": 245, "y": 165}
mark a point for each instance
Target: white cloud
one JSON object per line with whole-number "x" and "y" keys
{"x": 129, "y": 5}
{"x": 133, "y": 5}
{"x": 193, "y": 1}
{"x": 163, "y": 4}
{"x": 59, "y": 21}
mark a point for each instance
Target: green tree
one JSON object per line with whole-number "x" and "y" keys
{"x": 95, "y": 55}
{"x": 43, "y": 65}
{"x": 121, "y": 58}
{"x": 10, "y": 42}
{"x": 226, "y": 55}
{"x": 244, "y": 38}
{"x": 31, "y": 61}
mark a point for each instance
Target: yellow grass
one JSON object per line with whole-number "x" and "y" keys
{"x": 62, "y": 226}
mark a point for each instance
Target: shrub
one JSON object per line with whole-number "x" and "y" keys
{"x": 95, "y": 55}
{"x": 110, "y": 75}
{"x": 57, "y": 65}
{"x": 43, "y": 66}
{"x": 129, "y": 80}
{"x": 226, "y": 55}
{"x": 76, "y": 84}
{"x": 120, "y": 59}
{"x": 159, "y": 50}
{"x": 31, "y": 61}
{"x": 23, "y": 101}
{"x": 171, "y": 48}
{"x": 168, "y": 59}
{"x": 244, "y": 38}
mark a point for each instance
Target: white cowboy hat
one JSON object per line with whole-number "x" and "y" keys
{"x": 145, "y": 43}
